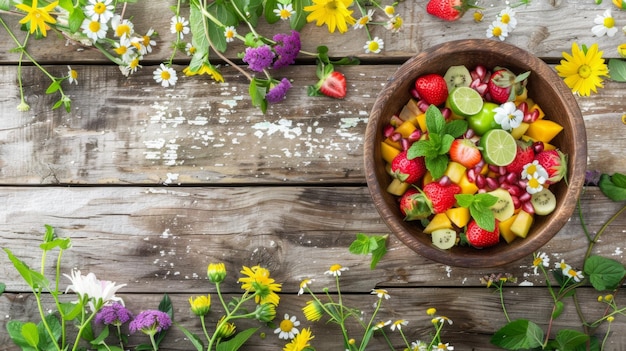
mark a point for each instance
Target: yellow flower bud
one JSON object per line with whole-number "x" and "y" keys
{"x": 216, "y": 272}
{"x": 621, "y": 49}
{"x": 200, "y": 305}
{"x": 431, "y": 311}
{"x": 620, "y": 4}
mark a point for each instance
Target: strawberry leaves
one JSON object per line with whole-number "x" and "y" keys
{"x": 435, "y": 148}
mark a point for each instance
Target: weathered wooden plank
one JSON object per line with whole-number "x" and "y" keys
{"x": 163, "y": 239}
{"x": 471, "y": 328}
{"x": 546, "y": 28}
{"x": 135, "y": 132}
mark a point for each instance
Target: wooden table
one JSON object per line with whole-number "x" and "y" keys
{"x": 153, "y": 184}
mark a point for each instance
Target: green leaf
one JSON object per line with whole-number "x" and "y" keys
{"x": 33, "y": 278}
{"x": 611, "y": 189}
{"x": 604, "y": 273}
{"x": 70, "y": 310}
{"x": 619, "y": 179}
{"x": 2, "y": 287}
{"x": 195, "y": 340}
{"x": 298, "y": 20}
{"x": 46, "y": 342}
{"x": 519, "y": 334}
{"x": 270, "y": 16}
{"x": 558, "y": 309}
{"x": 436, "y": 165}
{"x": 100, "y": 338}
{"x": 374, "y": 244}
{"x": 15, "y": 332}
{"x": 456, "y": 128}
{"x": 434, "y": 120}
{"x": 257, "y": 93}
{"x": 237, "y": 341}
{"x": 484, "y": 217}
{"x": 5, "y": 5}
{"x": 166, "y": 306}
{"x": 64, "y": 244}
{"x": 54, "y": 87}
{"x": 570, "y": 339}
{"x": 198, "y": 36}
{"x": 30, "y": 334}
{"x": 76, "y": 20}
{"x": 617, "y": 70}
{"x": 593, "y": 345}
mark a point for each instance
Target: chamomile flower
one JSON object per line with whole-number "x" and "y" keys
{"x": 133, "y": 64}
{"x": 419, "y": 346}
{"x": 389, "y": 10}
{"x": 230, "y": 33}
{"x": 478, "y": 16}
{"x": 541, "y": 259}
{"x": 508, "y": 116}
{"x": 146, "y": 42}
{"x": 364, "y": 20}
{"x": 507, "y": 17}
{"x": 381, "y": 325}
{"x": 583, "y": 69}
{"x": 335, "y": 270}
{"x": 399, "y": 324}
{"x": 99, "y": 10}
{"x": 381, "y": 293}
{"x": 535, "y": 183}
{"x": 287, "y": 328}
{"x": 165, "y": 75}
{"x": 124, "y": 49}
{"x": 564, "y": 267}
{"x": 122, "y": 27}
{"x": 374, "y": 46}
{"x": 395, "y": 24}
{"x": 179, "y": 26}
{"x": 72, "y": 75}
{"x": 190, "y": 49}
{"x": 621, "y": 50}
{"x": 442, "y": 320}
{"x": 605, "y": 24}
{"x": 94, "y": 30}
{"x": 534, "y": 167}
{"x": 303, "y": 285}
{"x": 443, "y": 347}
{"x": 498, "y": 30}
{"x": 284, "y": 11}
{"x": 574, "y": 274}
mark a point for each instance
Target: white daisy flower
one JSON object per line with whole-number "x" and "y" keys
{"x": 287, "y": 328}
{"x": 179, "y": 26}
{"x": 72, "y": 75}
{"x": 122, "y": 27}
{"x": 507, "y": 17}
{"x": 99, "y": 10}
{"x": 190, "y": 49}
{"x": 508, "y": 116}
{"x": 284, "y": 11}
{"x": 230, "y": 33}
{"x": 335, "y": 270}
{"x": 498, "y": 30}
{"x": 94, "y": 30}
{"x": 363, "y": 21}
{"x": 374, "y": 46}
{"x": 605, "y": 24}
{"x": 124, "y": 49}
{"x": 165, "y": 75}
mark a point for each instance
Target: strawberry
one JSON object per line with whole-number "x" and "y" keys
{"x": 504, "y": 85}
{"x": 449, "y": 10}
{"x": 441, "y": 196}
{"x": 331, "y": 83}
{"x": 525, "y": 155}
{"x": 479, "y": 237}
{"x": 414, "y": 205}
{"x": 555, "y": 163}
{"x": 432, "y": 88}
{"x": 408, "y": 170}
{"x": 465, "y": 152}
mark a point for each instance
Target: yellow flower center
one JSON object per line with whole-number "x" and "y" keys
{"x": 609, "y": 22}
{"x": 537, "y": 261}
{"x": 230, "y": 34}
{"x": 179, "y": 27}
{"x": 533, "y": 183}
{"x": 390, "y": 10}
{"x": 284, "y": 13}
{"x": 335, "y": 267}
{"x": 94, "y": 26}
{"x": 497, "y": 31}
{"x": 286, "y": 325}
{"x": 73, "y": 74}
{"x": 331, "y": 6}
{"x": 373, "y": 46}
{"x": 134, "y": 63}
{"x": 122, "y": 29}
{"x": 146, "y": 40}
{"x": 505, "y": 18}
{"x": 99, "y": 8}
{"x": 165, "y": 75}
{"x": 584, "y": 71}
{"x": 478, "y": 16}
{"x": 364, "y": 20}
{"x": 531, "y": 169}
{"x": 192, "y": 50}
{"x": 121, "y": 50}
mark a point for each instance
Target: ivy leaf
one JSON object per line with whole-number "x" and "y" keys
{"x": 375, "y": 245}
{"x": 613, "y": 187}
{"x": 604, "y": 273}
{"x": 519, "y": 334}
{"x": 617, "y": 68}
{"x": 570, "y": 339}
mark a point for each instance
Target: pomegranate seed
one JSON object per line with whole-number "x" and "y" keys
{"x": 388, "y": 130}
{"x": 446, "y": 112}
{"x": 469, "y": 133}
{"x": 522, "y": 183}
{"x": 482, "y": 89}
{"x": 480, "y": 181}
{"x": 492, "y": 183}
{"x": 525, "y": 197}
{"x": 423, "y": 105}
{"x": 487, "y": 77}
{"x": 515, "y": 190}
{"x": 414, "y": 94}
{"x": 471, "y": 175}
{"x": 502, "y": 170}
{"x": 523, "y": 106}
{"x": 396, "y": 136}
{"x": 481, "y": 191}
{"x": 445, "y": 181}
{"x": 493, "y": 168}
{"x": 406, "y": 144}
{"x": 534, "y": 115}
{"x": 516, "y": 202}
{"x": 480, "y": 165}
{"x": 501, "y": 180}
{"x": 481, "y": 71}
{"x": 528, "y": 207}
{"x": 538, "y": 146}
{"x": 511, "y": 178}
{"x": 415, "y": 136}
{"x": 475, "y": 82}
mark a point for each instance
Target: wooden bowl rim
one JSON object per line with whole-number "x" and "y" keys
{"x": 576, "y": 164}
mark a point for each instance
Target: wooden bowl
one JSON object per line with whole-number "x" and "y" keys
{"x": 544, "y": 86}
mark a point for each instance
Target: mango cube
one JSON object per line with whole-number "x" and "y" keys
{"x": 520, "y": 130}
{"x": 459, "y": 216}
{"x": 543, "y": 130}
{"x": 406, "y": 128}
{"x": 421, "y": 122}
{"x": 455, "y": 171}
{"x": 388, "y": 152}
{"x": 397, "y": 187}
{"x": 439, "y": 221}
{"x": 467, "y": 187}
{"x": 505, "y": 229}
{"x": 521, "y": 224}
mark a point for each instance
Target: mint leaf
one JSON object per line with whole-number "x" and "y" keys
{"x": 604, "y": 273}
{"x": 436, "y": 165}
{"x": 374, "y": 244}
{"x": 479, "y": 206}
{"x": 612, "y": 187}
{"x": 464, "y": 200}
{"x": 434, "y": 120}
{"x": 456, "y": 128}
{"x": 517, "y": 335}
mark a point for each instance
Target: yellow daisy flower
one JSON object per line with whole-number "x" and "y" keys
{"x": 258, "y": 281}
{"x": 313, "y": 311}
{"x": 38, "y": 17}
{"x": 206, "y": 69}
{"x": 582, "y": 69}
{"x": 301, "y": 341}
{"x": 333, "y": 13}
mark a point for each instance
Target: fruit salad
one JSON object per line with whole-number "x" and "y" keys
{"x": 471, "y": 158}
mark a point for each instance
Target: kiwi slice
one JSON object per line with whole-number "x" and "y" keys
{"x": 444, "y": 238}
{"x": 457, "y": 76}
{"x": 504, "y": 208}
{"x": 544, "y": 202}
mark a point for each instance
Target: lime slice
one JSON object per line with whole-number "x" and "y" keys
{"x": 499, "y": 147}
{"x": 465, "y": 101}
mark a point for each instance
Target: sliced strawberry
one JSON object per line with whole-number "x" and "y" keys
{"x": 465, "y": 152}
{"x": 408, "y": 170}
{"x": 504, "y": 85}
{"x": 449, "y": 10}
{"x": 555, "y": 162}
{"x": 432, "y": 88}
{"x": 334, "y": 85}
{"x": 525, "y": 154}
{"x": 441, "y": 196}
{"x": 479, "y": 237}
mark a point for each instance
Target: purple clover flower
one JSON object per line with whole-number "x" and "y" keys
{"x": 278, "y": 92}
{"x": 150, "y": 322}
{"x": 287, "y": 47}
{"x": 114, "y": 314}
{"x": 259, "y": 58}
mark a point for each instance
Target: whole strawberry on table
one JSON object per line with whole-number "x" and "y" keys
{"x": 470, "y": 157}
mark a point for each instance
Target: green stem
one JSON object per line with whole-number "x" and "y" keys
{"x": 43, "y": 319}
{"x": 206, "y": 333}
{"x": 153, "y": 342}
{"x": 599, "y": 233}
{"x": 83, "y": 325}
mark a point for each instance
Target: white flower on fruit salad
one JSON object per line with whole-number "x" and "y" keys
{"x": 508, "y": 116}
{"x": 536, "y": 176}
